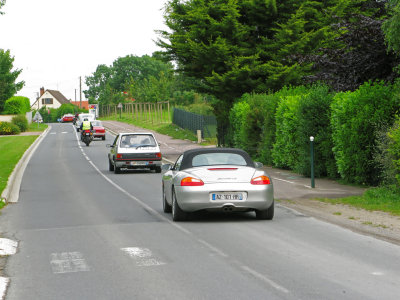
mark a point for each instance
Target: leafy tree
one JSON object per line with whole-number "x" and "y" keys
{"x": 8, "y": 84}
{"x": 360, "y": 56}
{"x": 143, "y": 77}
{"x": 233, "y": 47}
{"x": 391, "y": 26}
{"x": 17, "y": 105}
{"x": 2, "y": 3}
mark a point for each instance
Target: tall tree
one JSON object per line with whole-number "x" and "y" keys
{"x": 2, "y": 3}
{"x": 234, "y": 47}
{"x": 8, "y": 85}
{"x": 391, "y": 26}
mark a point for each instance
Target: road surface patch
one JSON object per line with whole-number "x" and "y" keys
{"x": 68, "y": 262}
{"x": 142, "y": 256}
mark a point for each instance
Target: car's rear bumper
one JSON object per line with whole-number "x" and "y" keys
{"x": 138, "y": 164}
{"x": 198, "y": 198}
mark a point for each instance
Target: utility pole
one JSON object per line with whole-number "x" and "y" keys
{"x": 80, "y": 91}
{"x": 75, "y": 96}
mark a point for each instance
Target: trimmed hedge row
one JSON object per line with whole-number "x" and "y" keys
{"x": 17, "y": 105}
{"x": 276, "y": 128}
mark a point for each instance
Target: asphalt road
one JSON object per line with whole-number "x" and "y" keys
{"x": 87, "y": 233}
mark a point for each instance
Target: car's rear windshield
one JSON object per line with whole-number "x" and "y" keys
{"x": 137, "y": 140}
{"x": 97, "y": 123}
{"x": 212, "y": 159}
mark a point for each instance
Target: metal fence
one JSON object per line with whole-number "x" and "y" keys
{"x": 194, "y": 122}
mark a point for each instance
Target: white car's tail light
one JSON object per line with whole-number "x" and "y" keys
{"x": 260, "y": 180}
{"x": 190, "y": 181}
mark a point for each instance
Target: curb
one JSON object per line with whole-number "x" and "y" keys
{"x": 11, "y": 192}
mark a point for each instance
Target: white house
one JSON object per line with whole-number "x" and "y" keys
{"x": 50, "y": 99}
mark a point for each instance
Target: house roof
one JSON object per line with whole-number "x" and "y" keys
{"x": 57, "y": 95}
{"x": 60, "y": 97}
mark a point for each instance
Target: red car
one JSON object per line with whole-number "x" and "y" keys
{"x": 67, "y": 118}
{"x": 98, "y": 130}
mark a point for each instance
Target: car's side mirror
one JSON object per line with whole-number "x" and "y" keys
{"x": 258, "y": 165}
{"x": 166, "y": 167}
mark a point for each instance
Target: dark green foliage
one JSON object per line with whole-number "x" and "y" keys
{"x": 7, "y": 128}
{"x": 21, "y": 121}
{"x": 17, "y": 105}
{"x": 313, "y": 115}
{"x": 8, "y": 77}
{"x": 391, "y": 26}
{"x": 357, "y": 119}
{"x": 393, "y": 150}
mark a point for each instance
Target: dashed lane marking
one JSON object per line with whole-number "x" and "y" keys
{"x": 3, "y": 286}
{"x": 8, "y": 247}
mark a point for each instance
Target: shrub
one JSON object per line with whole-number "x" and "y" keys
{"x": 7, "y": 128}
{"x": 393, "y": 149}
{"x": 237, "y": 118}
{"x": 17, "y": 105}
{"x": 357, "y": 118}
{"x": 21, "y": 121}
{"x": 313, "y": 116}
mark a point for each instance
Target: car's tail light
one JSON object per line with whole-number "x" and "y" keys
{"x": 158, "y": 154}
{"x": 119, "y": 155}
{"x": 261, "y": 180}
{"x": 190, "y": 181}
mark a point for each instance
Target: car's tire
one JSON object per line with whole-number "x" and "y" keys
{"x": 103, "y": 138}
{"x": 267, "y": 214}
{"x": 110, "y": 165}
{"x": 177, "y": 213}
{"x": 166, "y": 207}
{"x": 158, "y": 169}
{"x": 117, "y": 170}
{"x": 77, "y": 130}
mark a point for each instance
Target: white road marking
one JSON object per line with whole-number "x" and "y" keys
{"x": 377, "y": 273}
{"x": 68, "y": 262}
{"x": 143, "y": 257}
{"x": 3, "y": 286}
{"x": 8, "y": 247}
{"x": 64, "y": 132}
{"x": 53, "y": 132}
{"x": 265, "y": 279}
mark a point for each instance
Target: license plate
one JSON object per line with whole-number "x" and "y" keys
{"x": 226, "y": 196}
{"x": 137, "y": 163}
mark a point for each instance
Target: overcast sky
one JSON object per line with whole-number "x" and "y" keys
{"x": 56, "y": 41}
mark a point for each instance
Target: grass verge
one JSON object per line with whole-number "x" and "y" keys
{"x": 164, "y": 128}
{"x": 33, "y": 127}
{"x": 12, "y": 148}
{"x": 385, "y": 199}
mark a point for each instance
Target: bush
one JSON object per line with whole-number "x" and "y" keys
{"x": 21, "y": 121}
{"x": 357, "y": 119}
{"x": 237, "y": 118}
{"x": 393, "y": 150}
{"x": 7, "y": 128}
{"x": 17, "y": 105}
{"x": 313, "y": 116}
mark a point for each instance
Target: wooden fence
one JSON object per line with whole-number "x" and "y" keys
{"x": 145, "y": 112}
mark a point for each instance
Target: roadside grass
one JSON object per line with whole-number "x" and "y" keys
{"x": 33, "y": 127}
{"x": 12, "y": 148}
{"x": 166, "y": 128}
{"x": 386, "y": 199}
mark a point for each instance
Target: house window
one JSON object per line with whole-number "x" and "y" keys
{"x": 47, "y": 101}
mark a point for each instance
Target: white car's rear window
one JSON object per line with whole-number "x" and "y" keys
{"x": 137, "y": 140}
{"x": 211, "y": 159}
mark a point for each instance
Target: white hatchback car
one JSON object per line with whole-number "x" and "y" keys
{"x": 134, "y": 150}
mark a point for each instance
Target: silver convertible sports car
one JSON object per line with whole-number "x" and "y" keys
{"x": 216, "y": 179}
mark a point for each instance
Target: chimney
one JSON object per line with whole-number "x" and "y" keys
{"x": 41, "y": 91}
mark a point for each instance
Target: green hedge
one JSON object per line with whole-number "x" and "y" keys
{"x": 357, "y": 118}
{"x": 17, "y": 105}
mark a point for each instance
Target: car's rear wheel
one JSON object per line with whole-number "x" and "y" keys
{"x": 103, "y": 138}
{"x": 166, "y": 207}
{"x": 177, "y": 213}
{"x": 267, "y": 214}
{"x": 110, "y": 165}
{"x": 158, "y": 169}
{"x": 117, "y": 170}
